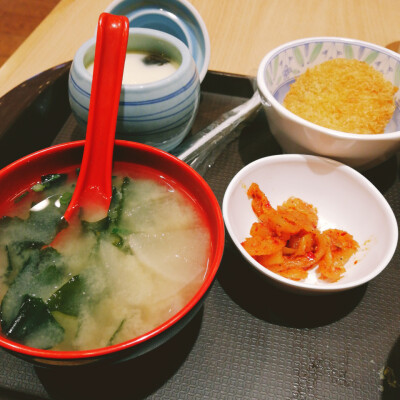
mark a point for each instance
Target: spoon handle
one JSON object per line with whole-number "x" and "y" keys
{"x": 94, "y": 189}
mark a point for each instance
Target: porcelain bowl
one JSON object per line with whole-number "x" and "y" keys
{"x": 278, "y": 70}
{"x": 159, "y": 113}
{"x": 344, "y": 199}
{"x": 176, "y": 17}
{"x": 19, "y": 176}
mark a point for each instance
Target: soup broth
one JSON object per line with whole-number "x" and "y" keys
{"x": 143, "y": 67}
{"x": 101, "y": 283}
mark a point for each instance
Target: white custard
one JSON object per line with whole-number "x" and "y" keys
{"x": 143, "y": 67}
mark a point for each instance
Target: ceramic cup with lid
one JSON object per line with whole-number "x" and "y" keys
{"x": 159, "y": 112}
{"x": 179, "y": 18}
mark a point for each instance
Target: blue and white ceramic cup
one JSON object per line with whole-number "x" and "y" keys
{"x": 158, "y": 113}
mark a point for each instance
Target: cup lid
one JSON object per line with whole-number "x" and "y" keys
{"x": 176, "y": 17}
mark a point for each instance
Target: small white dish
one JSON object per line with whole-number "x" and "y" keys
{"x": 345, "y": 200}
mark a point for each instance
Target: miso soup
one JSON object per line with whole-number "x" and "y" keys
{"x": 105, "y": 282}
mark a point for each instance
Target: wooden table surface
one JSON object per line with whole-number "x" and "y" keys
{"x": 241, "y": 31}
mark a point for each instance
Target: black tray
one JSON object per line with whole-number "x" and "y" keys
{"x": 250, "y": 340}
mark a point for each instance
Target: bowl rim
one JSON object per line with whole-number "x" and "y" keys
{"x": 213, "y": 266}
{"x": 268, "y": 99}
{"x": 195, "y": 14}
{"x": 303, "y": 158}
{"x": 78, "y": 65}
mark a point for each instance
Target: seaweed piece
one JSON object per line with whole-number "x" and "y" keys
{"x": 70, "y": 297}
{"x": 96, "y": 227}
{"x": 65, "y": 198}
{"x": 47, "y": 181}
{"x": 40, "y": 227}
{"x": 34, "y": 325}
{"x": 114, "y": 211}
{"x": 114, "y": 233}
{"x": 19, "y": 254}
{"x": 112, "y": 338}
{"x": 43, "y": 271}
{"x": 5, "y": 221}
{"x": 21, "y": 196}
{"x": 119, "y": 242}
{"x": 117, "y": 202}
{"x": 52, "y": 268}
{"x": 13, "y": 298}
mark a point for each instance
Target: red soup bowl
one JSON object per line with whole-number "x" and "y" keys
{"x": 19, "y": 176}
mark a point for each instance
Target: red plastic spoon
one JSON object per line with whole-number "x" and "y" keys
{"x": 93, "y": 191}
